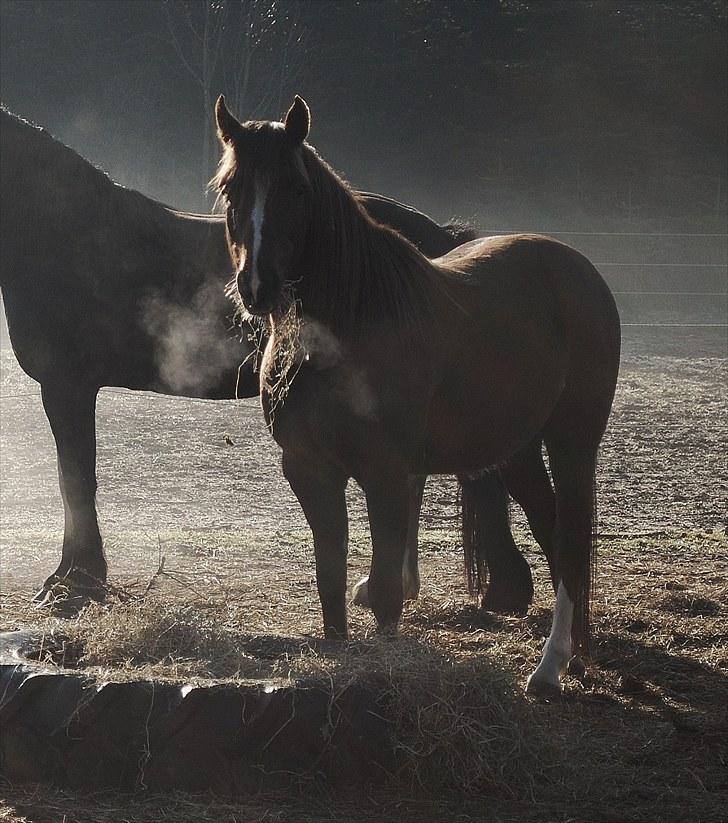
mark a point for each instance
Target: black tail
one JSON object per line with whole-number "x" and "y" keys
{"x": 460, "y": 231}
{"x": 581, "y": 626}
{"x": 475, "y": 498}
{"x": 581, "y": 631}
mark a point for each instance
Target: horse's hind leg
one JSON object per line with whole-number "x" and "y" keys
{"x": 491, "y": 553}
{"x": 321, "y": 491}
{"x": 529, "y": 485}
{"x": 71, "y": 413}
{"x": 573, "y": 470}
{"x": 410, "y": 564}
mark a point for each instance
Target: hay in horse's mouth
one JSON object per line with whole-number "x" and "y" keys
{"x": 284, "y": 353}
{"x": 276, "y": 338}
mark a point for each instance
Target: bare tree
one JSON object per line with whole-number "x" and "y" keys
{"x": 263, "y": 25}
{"x": 246, "y": 48}
{"x": 196, "y": 31}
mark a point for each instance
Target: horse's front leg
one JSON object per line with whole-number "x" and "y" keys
{"x": 388, "y": 507}
{"x": 410, "y": 564}
{"x": 71, "y": 412}
{"x": 321, "y": 491}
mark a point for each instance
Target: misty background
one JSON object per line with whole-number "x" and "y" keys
{"x": 602, "y": 122}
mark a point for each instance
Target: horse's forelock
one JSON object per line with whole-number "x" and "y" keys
{"x": 254, "y": 153}
{"x": 226, "y": 169}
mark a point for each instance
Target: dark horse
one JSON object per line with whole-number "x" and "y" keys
{"x": 105, "y": 287}
{"x": 382, "y": 364}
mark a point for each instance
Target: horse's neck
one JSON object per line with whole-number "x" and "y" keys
{"x": 358, "y": 274}
{"x": 52, "y": 194}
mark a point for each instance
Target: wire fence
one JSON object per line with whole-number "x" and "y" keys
{"x": 653, "y": 291}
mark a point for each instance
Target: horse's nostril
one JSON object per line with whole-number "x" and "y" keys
{"x": 243, "y": 286}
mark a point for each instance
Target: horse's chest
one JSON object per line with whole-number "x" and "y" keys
{"x": 313, "y": 406}
{"x": 337, "y": 415}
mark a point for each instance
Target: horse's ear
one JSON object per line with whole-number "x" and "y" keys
{"x": 298, "y": 120}
{"x": 228, "y": 128}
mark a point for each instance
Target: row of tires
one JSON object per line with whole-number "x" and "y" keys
{"x": 73, "y": 731}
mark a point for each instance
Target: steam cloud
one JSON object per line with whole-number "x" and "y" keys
{"x": 194, "y": 346}
{"x": 326, "y": 351}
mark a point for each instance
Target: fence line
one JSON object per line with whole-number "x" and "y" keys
{"x": 610, "y": 233}
{"x": 679, "y": 293}
{"x": 666, "y": 265}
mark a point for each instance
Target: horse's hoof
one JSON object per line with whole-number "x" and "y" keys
{"x": 545, "y": 689}
{"x": 506, "y": 601}
{"x": 67, "y": 596}
{"x": 335, "y": 635}
{"x": 360, "y": 593}
{"x": 41, "y": 596}
{"x": 61, "y": 603}
{"x": 576, "y": 668}
{"x": 49, "y": 584}
{"x": 388, "y": 631}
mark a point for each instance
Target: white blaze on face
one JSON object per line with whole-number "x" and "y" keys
{"x": 258, "y": 215}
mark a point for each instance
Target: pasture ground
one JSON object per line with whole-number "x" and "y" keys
{"x": 642, "y": 738}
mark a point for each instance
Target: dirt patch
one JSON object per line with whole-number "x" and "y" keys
{"x": 690, "y": 605}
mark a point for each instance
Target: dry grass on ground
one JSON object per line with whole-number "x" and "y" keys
{"x": 642, "y": 738}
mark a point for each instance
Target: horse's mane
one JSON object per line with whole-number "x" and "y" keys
{"x": 35, "y": 139}
{"x": 366, "y": 272}
{"x": 461, "y": 231}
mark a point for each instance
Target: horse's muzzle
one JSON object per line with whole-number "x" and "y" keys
{"x": 261, "y": 301}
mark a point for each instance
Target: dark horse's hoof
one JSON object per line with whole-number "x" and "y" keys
{"x": 507, "y": 599}
{"x": 576, "y": 668}
{"x": 67, "y": 595}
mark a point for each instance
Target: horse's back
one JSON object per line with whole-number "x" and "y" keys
{"x": 531, "y": 322}
{"x": 507, "y": 264}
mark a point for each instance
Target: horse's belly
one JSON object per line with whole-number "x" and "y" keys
{"x": 479, "y": 423}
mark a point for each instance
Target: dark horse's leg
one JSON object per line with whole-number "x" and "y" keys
{"x": 490, "y": 552}
{"x": 82, "y": 572}
{"x": 321, "y": 491}
{"x": 410, "y": 567}
{"x": 529, "y": 485}
{"x": 388, "y": 499}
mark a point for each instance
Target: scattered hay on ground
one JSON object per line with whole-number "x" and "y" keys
{"x": 642, "y": 737}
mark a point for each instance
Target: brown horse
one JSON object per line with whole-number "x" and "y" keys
{"x": 103, "y": 286}
{"x": 383, "y": 364}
